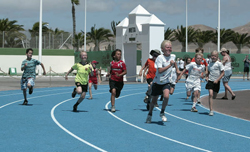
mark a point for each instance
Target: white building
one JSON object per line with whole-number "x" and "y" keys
{"x": 140, "y": 27}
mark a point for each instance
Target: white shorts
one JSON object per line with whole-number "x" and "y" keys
{"x": 24, "y": 83}
{"x": 193, "y": 87}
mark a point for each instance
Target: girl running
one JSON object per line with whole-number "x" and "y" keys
{"x": 93, "y": 79}
{"x": 81, "y": 80}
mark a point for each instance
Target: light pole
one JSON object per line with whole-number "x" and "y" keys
{"x": 186, "y": 25}
{"x": 218, "y": 29}
{"x": 40, "y": 37}
{"x": 85, "y": 26}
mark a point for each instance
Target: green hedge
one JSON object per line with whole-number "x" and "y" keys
{"x": 46, "y": 52}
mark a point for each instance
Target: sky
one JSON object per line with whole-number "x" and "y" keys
{"x": 101, "y": 13}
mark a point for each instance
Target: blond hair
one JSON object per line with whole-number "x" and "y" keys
{"x": 200, "y": 54}
{"x": 164, "y": 43}
{"x": 215, "y": 52}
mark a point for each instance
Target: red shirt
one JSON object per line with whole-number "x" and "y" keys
{"x": 118, "y": 67}
{"x": 151, "y": 68}
{"x": 94, "y": 75}
{"x": 202, "y": 62}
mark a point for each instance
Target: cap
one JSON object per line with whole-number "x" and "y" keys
{"x": 94, "y": 62}
{"x": 223, "y": 50}
{"x": 155, "y": 51}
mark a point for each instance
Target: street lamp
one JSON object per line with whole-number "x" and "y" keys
{"x": 218, "y": 30}
{"x": 40, "y": 37}
{"x": 85, "y": 26}
{"x": 186, "y": 25}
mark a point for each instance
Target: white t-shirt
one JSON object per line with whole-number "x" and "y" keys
{"x": 181, "y": 64}
{"x": 160, "y": 62}
{"x": 215, "y": 69}
{"x": 194, "y": 72}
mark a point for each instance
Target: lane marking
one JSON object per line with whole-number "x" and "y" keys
{"x": 158, "y": 135}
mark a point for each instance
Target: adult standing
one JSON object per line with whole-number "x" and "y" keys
{"x": 246, "y": 67}
{"x": 226, "y": 61}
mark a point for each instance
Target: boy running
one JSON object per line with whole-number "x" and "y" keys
{"x": 29, "y": 73}
{"x": 215, "y": 73}
{"x": 161, "y": 83}
{"x": 195, "y": 70}
{"x": 93, "y": 79}
{"x": 117, "y": 71}
{"x": 81, "y": 80}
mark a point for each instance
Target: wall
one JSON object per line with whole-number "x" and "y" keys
{"x": 59, "y": 64}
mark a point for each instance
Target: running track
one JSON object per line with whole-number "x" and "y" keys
{"x": 47, "y": 123}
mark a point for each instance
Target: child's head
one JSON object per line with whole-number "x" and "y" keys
{"x": 29, "y": 52}
{"x": 208, "y": 55}
{"x": 199, "y": 50}
{"x": 166, "y": 47}
{"x": 94, "y": 63}
{"x": 84, "y": 56}
{"x": 188, "y": 60}
{"x": 214, "y": 55}
{"x": 198, "y": 58}
{"x": 116, "y": 54}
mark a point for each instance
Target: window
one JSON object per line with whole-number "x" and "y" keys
{"x": 131, "y": 30}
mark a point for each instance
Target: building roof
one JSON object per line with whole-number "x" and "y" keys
{"x": 123, "y": 23}
{"x": 140, "y": 10}
{"x": 153, "y": 20}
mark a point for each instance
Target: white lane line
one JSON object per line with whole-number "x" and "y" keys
{"x": 106, "y": 106}
{"x": 67, "y": 131}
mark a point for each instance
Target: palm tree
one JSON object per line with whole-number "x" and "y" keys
{"x": 225, "y": 36}
{"x": 98, "y": 35}
{"x": 180, "y": 35}
{"x": 35, "y": 33}
{"x": 113, "y": 27}
{"x": 240, "y": 40}
{"x": 203, "y": 37}
{"x": 10, "y": 30}
{"x": 74, "y": 2}
{"x": 169, "y": 35}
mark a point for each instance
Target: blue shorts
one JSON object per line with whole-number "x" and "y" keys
{"x": 24, "y": 83}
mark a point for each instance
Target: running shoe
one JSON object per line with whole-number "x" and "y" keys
{"x": 199, "y": 101}
{"x": 211, "y": 113}
{"x": 25, "y": 102}
{"x": 194, "y": 109}
{"x": 75, "y": 108}
{"x": 74, "y": 93}
{"x": 148, "y": 120}
{"x": 146, "y": 99}
{"x": 163, "y": 117}
{"x": 233, "y": 97}
{"x": 31, "y": 90}
{"x": 113, "y": 109}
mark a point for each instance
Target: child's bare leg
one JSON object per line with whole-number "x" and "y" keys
{"x": 113, "y": 93}
{"x": 90, "y": 91}
{"x": 151, "y": 105}
{"x": 211, "y": 93}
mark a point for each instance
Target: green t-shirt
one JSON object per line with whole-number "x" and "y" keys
{"x": 30, "y": 69}
{"x": 83, "y": 71}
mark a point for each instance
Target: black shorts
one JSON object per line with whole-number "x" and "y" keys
{"x": 157, "y": 89}
{"x": 246, "y": 69}
{"x": 149, "y": 80}
{"x": 181, "y": 69}
{"x": 213, "y": 86}
{"x": 117, "y": 86}
{"x": 84, "y": 87}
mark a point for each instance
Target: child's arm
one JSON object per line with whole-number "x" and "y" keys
{"x": 98, "y": 75}
{"x": 177, "y": 69}
{"x": 145, "y": 71}
{"x": 22, "y": 68}
{"x": 160, "y": 70}
{"x": 179, "y": 77}
{"x": 44, "y": 72}
{"x": 66, "y": 75}
{"x": 143, "y": 68}
{"x": 221, "y": 75}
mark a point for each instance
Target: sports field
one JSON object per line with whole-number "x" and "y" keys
{"x": 48, "y": 123}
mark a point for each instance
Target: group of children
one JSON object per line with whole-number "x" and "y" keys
{"x": 162, "y": 76}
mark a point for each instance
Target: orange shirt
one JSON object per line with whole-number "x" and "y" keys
{"x": 202, "y": 62}
{"x": 151, "y": 68}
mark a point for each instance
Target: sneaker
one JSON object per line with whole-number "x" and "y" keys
{"x": 233, "y": 97}
{"x": 75, "y": 108}
{"x": 211, "y": 113}
{"x": 113, "y": 109}
{"x": 194, "y": 109}
{"x": 25, "y": 102}
{"x": 74, "y": 93}
{"x": 163, "y": 117}
{"x": 31, "y": 90}
{"x": 148, "y": 120}
{"x": 146, "y": 99}
{"x": 199, "y": 101}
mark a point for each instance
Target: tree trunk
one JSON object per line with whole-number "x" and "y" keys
{"x": 74, "y": 28}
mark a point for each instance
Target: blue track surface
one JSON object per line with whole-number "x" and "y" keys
{"x": 47, "y": 123}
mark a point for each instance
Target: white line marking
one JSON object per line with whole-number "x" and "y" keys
{"x": 106, "y": 106}
{"x": 67, "y": 131}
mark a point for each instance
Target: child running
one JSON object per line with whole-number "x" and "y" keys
{"x": 195, "y": 70}
{"x": 215, "y": 73}
{"x": 150, "y": 65}
{"x": 117, "y": 71}
{"x": 29, "y": 73}
{"x": 81, "y": 80}
{"x": 93, "y": 79}
{"x": 161, "y": 83}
